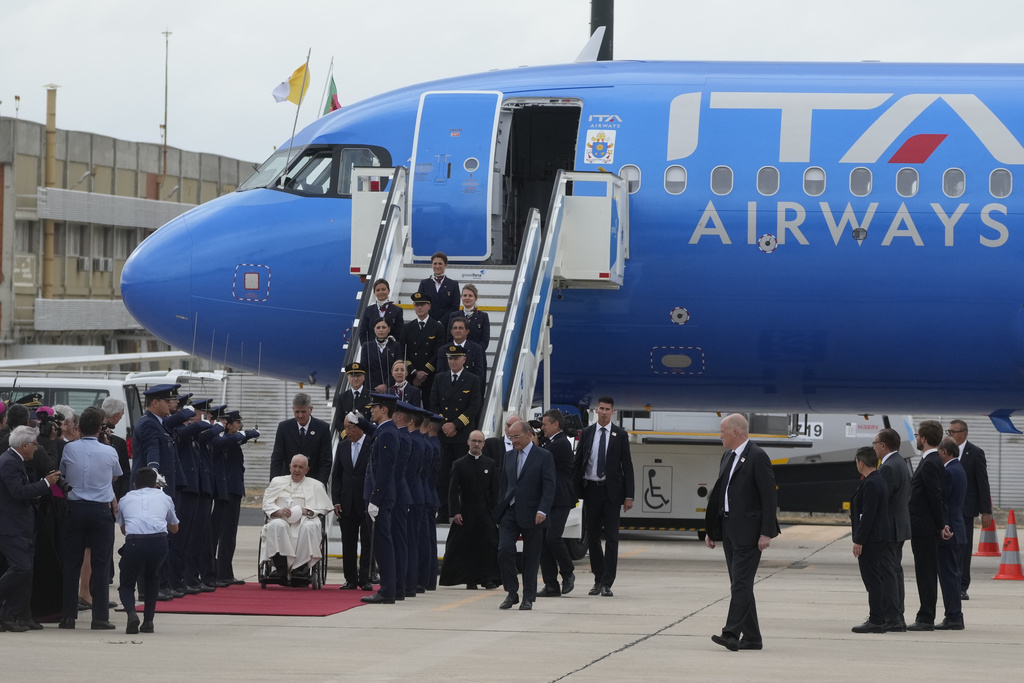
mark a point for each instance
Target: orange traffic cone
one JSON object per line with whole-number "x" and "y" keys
{"x": 1009, "y": 564}
{"x": 988, "y": 544}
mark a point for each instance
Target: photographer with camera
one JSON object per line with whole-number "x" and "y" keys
{"x": 90, "y": 468}
{"x": 17, "y": 526}
{"x": 113, "y": 411}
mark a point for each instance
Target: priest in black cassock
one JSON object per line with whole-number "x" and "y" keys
{"x": 471, "y": 552}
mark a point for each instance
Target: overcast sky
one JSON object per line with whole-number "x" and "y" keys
{"x": 226, "y": 56}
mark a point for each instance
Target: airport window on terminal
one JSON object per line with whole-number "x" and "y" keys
{"x": 768, "y": 181}
{"x": 814, "y": 181}
{"x": 1000, "y": 183}
{"x": 954, "y": 182}
{"x": 675, "y": 179}
{"x": 906, "y": 182}
{"x": 721, "y": 180}
{"x": 631, "y": 174}
{"x": 860, "y": 182}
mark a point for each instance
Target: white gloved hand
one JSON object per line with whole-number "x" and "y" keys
{"x": 189, "y": 409}
{"x": 372, "y": 510}
{"x": 161, "y": 480}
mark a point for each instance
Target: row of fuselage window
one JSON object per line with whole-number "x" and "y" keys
{"x": 954, "y": 181}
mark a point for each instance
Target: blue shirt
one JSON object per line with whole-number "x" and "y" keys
{"x": 146, "y": 511}
{"x": 90, "y": 468}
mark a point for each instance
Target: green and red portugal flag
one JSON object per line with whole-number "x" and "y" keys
{"x": 332, "y": 98}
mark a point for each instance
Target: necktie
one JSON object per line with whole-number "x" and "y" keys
{"x": 522, "y": 461}
{"x": 355, "y": 453}
{"x": 302, "y": 432}
{"x": 728, "y": 478}
{"x": 423, "y": 324}
{"x": 439, "y": 278}
{"x": 382, "y": 311}
{"x": 602, "y": 453}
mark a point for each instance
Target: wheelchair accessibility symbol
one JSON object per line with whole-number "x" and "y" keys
{"x": 657, "y": 483}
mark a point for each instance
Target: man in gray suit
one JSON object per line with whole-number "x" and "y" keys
{"x": 896, "y": 472}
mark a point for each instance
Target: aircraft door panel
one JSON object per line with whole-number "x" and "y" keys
{"x": 453, "y": 157}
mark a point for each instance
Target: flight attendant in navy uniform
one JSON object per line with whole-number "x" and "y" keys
{"x": 403, "y": 389}
{"x": 384, "y": 309}
{"x": 378, "y": 355}
{"x": 442, "y": 290}
{"x": 380, "y": 487}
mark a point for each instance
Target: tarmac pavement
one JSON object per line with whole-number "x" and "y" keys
{"x": 671, "y": 595}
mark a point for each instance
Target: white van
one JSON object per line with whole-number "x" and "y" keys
{"x": 79, "y": 392}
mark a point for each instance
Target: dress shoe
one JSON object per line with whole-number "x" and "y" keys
{"x": 164, "y": 596}
{"x": 103, "y": 625}
{"x": 66, "y": 622}
{"x": 868, "y": 627}
{"x": 750, "y": 644}
{"x": 490, "y": 585}
{"x": 147, "y": 627}
{"x": 192, "y": 590}
{"x": 235, "y": 582}
{"x": 511, "y": 599}
{"x": 550, "y": 592}
{"x": 175, "y": 593}
{"x": 964, "y": 595}
{"x": 471, "y": 586}
{"x": 568, "y": 583}
{"x": 348, "y": 586}
{"x": 606, "y": 592}
{"x": 204, "y": 588}
{"x": 950, "y": 625}
{"x": 375, "y": 578}
{"x": 366, "y": 586}
{"x": 727, "y": 641}
{"x": 527, "y": 605}
{"x": 83, "y": 604}
{"x": 219, "y": 583}
{"x": 596, "y": 590}
{"x": 14, "y": 626}
{"x": 133, "y": 625}
{"x": 111, "y": 604}
{"x": 32, "y": 624}
{"x": 921, "y": 626}
{"x": 421, "y": 589}
{"x": 410, "y": 593}
{"x": 895, "y": 627}
{"x": 377, "y": 599}
{"x": 400, "y": 596}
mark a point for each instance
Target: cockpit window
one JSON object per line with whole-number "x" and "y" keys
{"x": 318, "y": 171}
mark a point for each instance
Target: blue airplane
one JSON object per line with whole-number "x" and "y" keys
{"x": 801, "y": 236}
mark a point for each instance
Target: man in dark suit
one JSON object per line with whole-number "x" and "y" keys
{"x": 423, "y": 337}
{"x": 457, "y": 396}
{"x": 741, "y": 514}
{"x": 381, "y": 493}
{"x": 928, "y": 523}
{"x": 302, "y": 435}
{"x": 495, "y": 447}
{"x": 896, "y": 472}
{"x": 604, "y": 474}
{"x": 525, "y": 495}
{"x": 872, "y": 535}
{"x": 955, "y": 490}
{"x": 443, "y": 291}
{"x": 554, "y": 558}
{"x": 978, "y": 499}
{"x": 17, "y": 525}
{"x": 349, "y": 505}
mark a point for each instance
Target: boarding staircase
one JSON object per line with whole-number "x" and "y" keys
{"x": 584, "y": 243}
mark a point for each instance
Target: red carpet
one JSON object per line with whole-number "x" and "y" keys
{"x": 272, "y": 601}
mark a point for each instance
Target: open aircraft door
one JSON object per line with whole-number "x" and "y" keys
{"x": 453, "y": 158}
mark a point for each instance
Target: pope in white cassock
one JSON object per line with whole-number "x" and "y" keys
{"x": 293, "y": 501}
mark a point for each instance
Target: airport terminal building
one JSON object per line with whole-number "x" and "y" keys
{"x": 108, "y": 195}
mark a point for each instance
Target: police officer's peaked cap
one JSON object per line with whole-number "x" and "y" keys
{"x": 202, "y": 403}
{"x": 217, "y": 411}
{"x": 356, "y": 368}
{"x": 161, "y": 391}
{"x": 233, "y": 416}
{"x": 454, "y": 351}
{"x": 31, "y": 400}
{"x": 183, "y": 399}
{"x": 436, "y": 418}
{"x": 406, "y": 407}
{"x": 383, "y": 400}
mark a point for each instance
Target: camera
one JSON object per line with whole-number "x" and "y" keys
{"x": 62, "y": 483}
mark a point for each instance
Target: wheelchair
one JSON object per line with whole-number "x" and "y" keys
{"x": 315, "y": 578}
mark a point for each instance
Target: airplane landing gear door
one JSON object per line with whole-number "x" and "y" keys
{"x": 453, "y": 159}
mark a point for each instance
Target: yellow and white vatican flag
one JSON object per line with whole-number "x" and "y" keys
{"x": 294, "y": 89}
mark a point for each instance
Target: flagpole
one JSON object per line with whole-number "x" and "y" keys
{"x": 330, "y": 72}
{"x": 302, "y": 96}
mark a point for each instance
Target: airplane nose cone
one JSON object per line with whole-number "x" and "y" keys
{"x": 156, "y": 284}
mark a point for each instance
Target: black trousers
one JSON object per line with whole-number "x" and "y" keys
{"x": 875, "y": 572}
{"x": 427, "y": 555}
{"x": 554, "y": 556}
{"x": 896, "y": 560}
{"x": 742, "y": 558}
{"x": 355, "y": 526}
{"x": 948, "y": 557}
{"x": 533, "y": 538}
{"x": 400, "y": 544}
{"x": 16, "y": 582}
{"x": 177, "y": 546}
{"x": 415, "y": 531}
{"x": 208, "y": 560}
{"x": 966, "y": 549}
{"x": 601, "y": 514}
{"x": 228, "y": 536}
{"x": 89, "y": 525}
{"x": 141, "y": 558}
{"x": 384, "y": 553}
{"x": 197, "y": 541}
{"x": 926, "y": 551}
